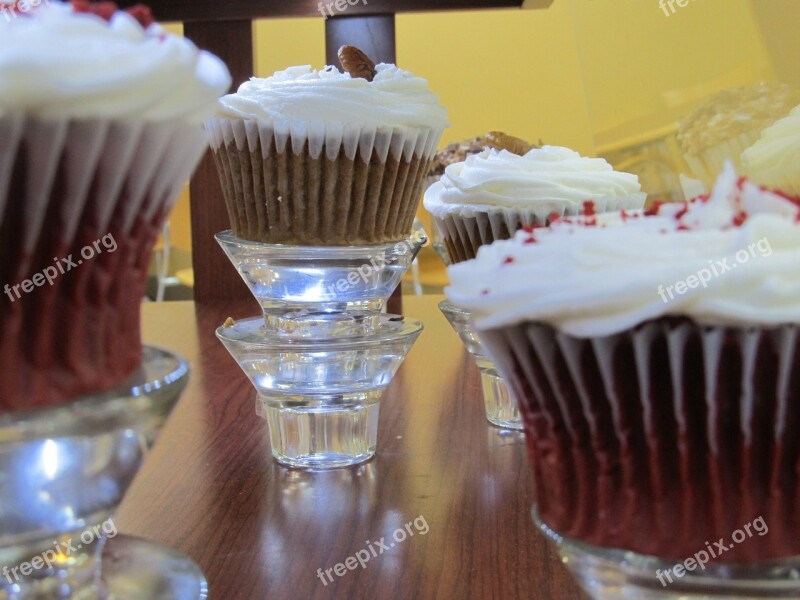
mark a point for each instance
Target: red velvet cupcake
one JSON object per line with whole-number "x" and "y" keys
{"x": 655, "y": 360}
{"x": 94, "y": 148}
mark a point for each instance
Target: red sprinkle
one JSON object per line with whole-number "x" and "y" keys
{"x": 683, "y": 227}
{"x": 654, "y": 208}
{"x": 623, "y": 215}
{"x": 508, "y": 260}
{"x": 530, "y": 240}
{"x": 554, "y": 217}
{"x": 682, "y": 211}
{"x": 739, "y": 218}
{"x": 589, "y": 209}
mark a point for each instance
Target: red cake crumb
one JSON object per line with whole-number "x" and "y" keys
{"x": 508, "y": 260}
{"x": 106, "y": 10}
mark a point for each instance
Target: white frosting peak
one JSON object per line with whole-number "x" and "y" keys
{"x": 550, "y": 175}
{"x": 394, "y": 98}
{"x": 730, "y": 259}
{"x": 56, "y": 63}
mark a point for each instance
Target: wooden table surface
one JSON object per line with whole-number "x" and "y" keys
{"x": 211, "y": 489}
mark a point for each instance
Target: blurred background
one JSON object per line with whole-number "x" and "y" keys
{"x": 610, "y": 78}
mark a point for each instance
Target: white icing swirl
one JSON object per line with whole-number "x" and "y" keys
{"x": 774, "y": 160}
{"x": 56, "y": 63}
{"x": 689, "y": 260}
{"x": 549, "y": 177}
{"x": 394, "y": 98}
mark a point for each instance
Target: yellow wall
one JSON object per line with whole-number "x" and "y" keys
{"x": 639, "y": 62}
{"x": 510, "y": 70}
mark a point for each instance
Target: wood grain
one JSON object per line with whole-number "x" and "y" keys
{"x": 211, "y": 489}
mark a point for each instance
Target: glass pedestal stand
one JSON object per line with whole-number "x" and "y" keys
{"x": 501, "y": 409}
{"x": 323, "y": 353}
{"x": 64, "y": 471}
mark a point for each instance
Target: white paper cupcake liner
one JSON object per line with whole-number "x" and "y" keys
{"x": 707, "y": 164}
{"x": 464, "y": 229}
{"x": 320, "y": 184}
{"x": 663, "y": 437}
{"x": 64, "y": 186}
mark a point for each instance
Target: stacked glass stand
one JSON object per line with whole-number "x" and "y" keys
{"x": 323, "y": 351}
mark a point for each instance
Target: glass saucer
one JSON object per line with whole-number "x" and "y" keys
{"x": 137, "y": 569}
{"x": 295, "y": 284}
{"x": 614, "y": 574}
{"x": 320, "y": 397}
{"x": 64, "y": 471}
{"x": 501, "y": 409}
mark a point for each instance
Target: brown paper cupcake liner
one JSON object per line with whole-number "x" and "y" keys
{"x": 64, "y": 186}
{"x": 663, "y": 438}
{"x": 289, "y": 188}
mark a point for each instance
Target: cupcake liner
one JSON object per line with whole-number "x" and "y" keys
{"x": 662, "y": 438}
{"x": 707, "y": 164}
{"x": 465, "y": 229}
{"x": 320, "y": 184}
{"x": 66, "y": 187}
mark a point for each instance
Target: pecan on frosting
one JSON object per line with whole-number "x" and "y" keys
{"x": 502, "y": 141}
{"x": 355, "y": 62}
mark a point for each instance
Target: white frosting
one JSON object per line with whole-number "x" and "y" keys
{"x": 774, "y": 159}
{"x": 393, "y": 99}
{"x": 690, "y": 260}
{"x": 548, "y": 179}
{"x": 56, "y": 63}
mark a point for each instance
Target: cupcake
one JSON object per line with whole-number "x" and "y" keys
{"x": 774, "y": 160}
{"x": 724, "y": 124}
{"x": 493, "y": 194}
{"x": 100, "y": 126}
{"x": 459, "y": 151}
{"x": 656, "y": 361}
{"x": 326, "y": 158}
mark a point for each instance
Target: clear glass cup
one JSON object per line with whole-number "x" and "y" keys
{"x": 501, "y": 408}
{"x": 64, "y": 471}
{"x": 320, "y": 397}
{"x": 302, "y": 288}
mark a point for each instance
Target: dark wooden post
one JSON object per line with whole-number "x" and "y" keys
{"x": 374, "y": 34}
{"x": 214, "y": 276}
